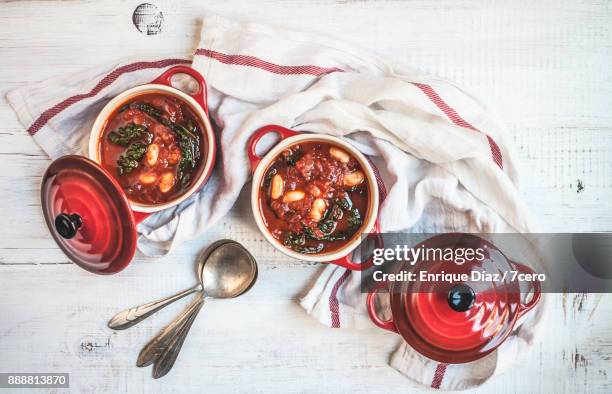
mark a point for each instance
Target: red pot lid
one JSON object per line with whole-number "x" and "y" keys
{"x": 462, "y": 321}
{"x": 88, "y": 215}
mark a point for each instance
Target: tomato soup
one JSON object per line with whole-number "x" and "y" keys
{"x": 152, "y": 145}
{"x": 314, "y": 197}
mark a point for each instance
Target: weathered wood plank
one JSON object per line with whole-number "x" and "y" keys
{"x": 544, "y": 67}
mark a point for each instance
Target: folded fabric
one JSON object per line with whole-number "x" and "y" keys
{"x": 445, "y": 160}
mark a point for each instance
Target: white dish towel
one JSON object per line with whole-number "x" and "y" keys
{"x": 445, "y": 160}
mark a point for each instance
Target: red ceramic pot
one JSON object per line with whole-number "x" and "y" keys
{"x": 88, "y": 213}
{"x": 260, "y": 165}
{"x": 459, "y": 322}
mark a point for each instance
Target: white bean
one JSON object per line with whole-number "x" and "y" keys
{"x": 339, "y": 155}
{"x": 152, "y": 154}
{"x": 353, "y": 178}
{"x": 295, "y": 195}
{"x": 277, "y": 187}
{"x": 166, "y": 182}
{"x": 147, "y": 178}
{"x": 317, "y": 209}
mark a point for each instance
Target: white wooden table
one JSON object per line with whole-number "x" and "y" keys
{"x": 544, "y": 67}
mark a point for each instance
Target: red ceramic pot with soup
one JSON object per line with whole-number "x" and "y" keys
{"x": 313, "y": 196}
{"x": 150, "y": 148}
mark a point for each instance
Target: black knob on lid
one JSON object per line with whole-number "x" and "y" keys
{"x": 461, "y": 297}
{"x": 67, "y": 225}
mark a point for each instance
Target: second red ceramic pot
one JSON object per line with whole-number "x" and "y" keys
{"x": 288, "y": 139}
{"x": 458, "y": 322}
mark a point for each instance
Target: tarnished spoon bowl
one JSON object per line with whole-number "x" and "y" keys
{"x": 228, "y": 271}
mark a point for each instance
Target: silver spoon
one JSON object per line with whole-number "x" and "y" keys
{"x": 166, "y": 338}
{"x": 227, "y": 272}
{"x": 135, "y": 315}
{"x": 237, "y": 255}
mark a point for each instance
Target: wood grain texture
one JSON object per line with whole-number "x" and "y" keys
{"x": 544, "y": 67}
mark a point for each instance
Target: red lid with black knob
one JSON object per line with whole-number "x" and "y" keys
{"x": 458, "y": 320}
{"x": 88, "y": 215}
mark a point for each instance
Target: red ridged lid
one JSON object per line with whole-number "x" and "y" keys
{"x": 460, "y": 322}
{"x": 88, "y": 215}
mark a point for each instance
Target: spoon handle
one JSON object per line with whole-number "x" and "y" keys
{"x": 156, "y": 346}
{"x": 165, "y": 361}
{"x": 135, "y": 315}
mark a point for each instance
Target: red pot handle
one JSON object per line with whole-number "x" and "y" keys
{"x": 201, "y": 95}
{"x": 346, "y": 260}
{"x": 384, "y": 324}
{"x": 283, "y": 132}
{"x": 140, "y": 216}
{"x": 537, "y": 289}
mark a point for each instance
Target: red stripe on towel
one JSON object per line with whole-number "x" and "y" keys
{"x": 458, "y": 120}
{"x": 334, "y": 307}
{"x": 104, "y": 82}
{"x": 252, "y": 61}
{"x": 438, "y": 376}
{"x": 382, "y": 190}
